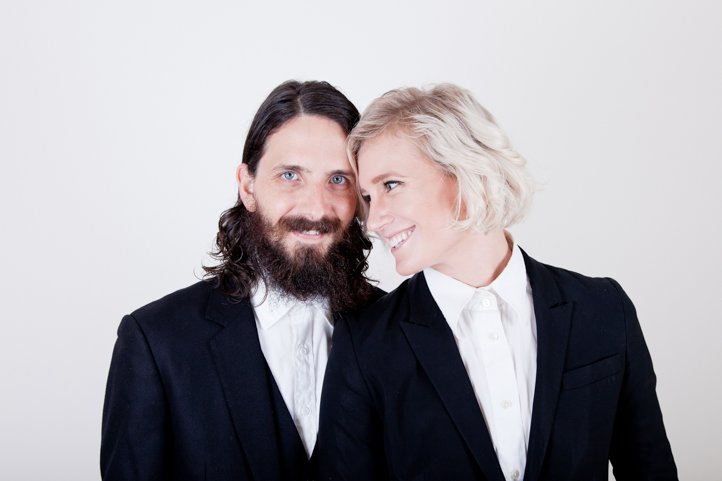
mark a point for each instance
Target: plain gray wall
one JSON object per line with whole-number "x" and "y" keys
{"x": 121, "y": 124}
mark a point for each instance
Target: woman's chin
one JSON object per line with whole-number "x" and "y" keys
{"x": 406, "y": 270}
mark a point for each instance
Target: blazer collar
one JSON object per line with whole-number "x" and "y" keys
{"x": 433, "y": 343}
{"x": 222, "y": 310}
{"x": 553, "y": 314}
{"x": 247, "y": 383}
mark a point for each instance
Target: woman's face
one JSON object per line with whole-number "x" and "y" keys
{"x": 411, "y": 203}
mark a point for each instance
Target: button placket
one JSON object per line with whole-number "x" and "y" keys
{"x": 493, "y": 350}
{"x": 304, "y": 395}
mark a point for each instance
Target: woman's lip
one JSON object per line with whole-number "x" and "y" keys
{"x": 400, "y": 238}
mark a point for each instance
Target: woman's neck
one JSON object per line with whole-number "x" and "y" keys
{"x": 478, "y": 258}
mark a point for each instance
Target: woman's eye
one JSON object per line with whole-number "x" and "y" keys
{"x": 289, "y": 175}
{"x": 391, "y": 184}
{"x": 338, "y": 179}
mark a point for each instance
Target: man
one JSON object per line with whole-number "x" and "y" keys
{"x": 222, "y": 380}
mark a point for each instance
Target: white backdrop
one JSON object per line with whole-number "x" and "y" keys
{"x": 121, "y": 124}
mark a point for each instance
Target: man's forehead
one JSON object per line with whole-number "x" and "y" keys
{"x": 308, "y": 141}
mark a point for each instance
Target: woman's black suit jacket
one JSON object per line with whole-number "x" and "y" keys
{"x": 398, "y": 403}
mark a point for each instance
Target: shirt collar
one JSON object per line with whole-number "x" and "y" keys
{"x": 511, "y": 285}
{"x": 452, "y": 295}
{"x": 271, "y": 305}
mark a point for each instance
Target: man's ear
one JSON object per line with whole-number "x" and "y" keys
{"x": 245, "y": 187}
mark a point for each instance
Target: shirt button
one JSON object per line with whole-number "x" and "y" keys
{"x": 304, "y": 348}
{"x": 506, "y": 404}
{"x": 306, "y": 411}
{"x": 486, "y": 303}
{"x": 515, "y": 474}
{"x": 494, "y": 336}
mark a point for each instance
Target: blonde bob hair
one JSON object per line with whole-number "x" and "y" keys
{"x": 461, "y": 137}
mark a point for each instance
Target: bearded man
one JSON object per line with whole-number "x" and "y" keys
{"x": 222, "y": 380}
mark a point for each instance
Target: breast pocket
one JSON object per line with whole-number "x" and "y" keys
{"x": 596, "y": 371}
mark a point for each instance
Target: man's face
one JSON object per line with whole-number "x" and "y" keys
{"x": 303, "y": 186}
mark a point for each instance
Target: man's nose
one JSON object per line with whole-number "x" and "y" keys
{"x": 316, "y": 202}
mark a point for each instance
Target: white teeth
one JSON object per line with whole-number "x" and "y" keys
{"x": 399, "y": 238}
{"x": 311, "y": 232}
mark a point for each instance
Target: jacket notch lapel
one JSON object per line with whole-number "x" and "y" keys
{"x": 246, "y": 383}
{"x": 433, "y": 344}
{"x": 553, "y": 321}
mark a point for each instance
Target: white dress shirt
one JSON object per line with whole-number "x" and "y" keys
{"x": 295, "y": 339}
{"x": 495, "y": 331}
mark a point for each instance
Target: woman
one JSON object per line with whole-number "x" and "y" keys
{"x": 486, "y": 364}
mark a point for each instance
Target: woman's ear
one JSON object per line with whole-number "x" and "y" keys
{"x": 245, "y": 187}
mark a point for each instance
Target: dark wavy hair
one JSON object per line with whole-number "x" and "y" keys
{"x": 238, "y": 267}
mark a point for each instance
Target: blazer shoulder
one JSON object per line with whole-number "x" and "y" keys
{"x": 372, "y": 322}
{"x": 582, "y": 289}
{"x": 376, "y": 294}
{"x": 382, "y": 303}
{"x": 184, "y": 303}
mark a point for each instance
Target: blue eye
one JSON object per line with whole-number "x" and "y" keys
{"x": 289, "y": 175}
{"x": 338, "y": 179}
{"x": 391, "y": 184}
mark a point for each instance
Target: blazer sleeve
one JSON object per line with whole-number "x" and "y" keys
{"x": 350, "y": 439}
{"x": 134, "y": 430}
{"x": 640, "y": 449}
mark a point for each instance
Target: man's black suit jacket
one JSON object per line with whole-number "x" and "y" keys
{"x": 190, "y": 397}
{"x": 398, "y": 403}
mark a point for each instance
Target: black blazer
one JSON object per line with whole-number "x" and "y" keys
{"x": 398, "y": 403}
{"x": 190, "y": 397}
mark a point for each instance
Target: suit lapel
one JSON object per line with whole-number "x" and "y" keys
{"x": 434, "y": 346}
{"x": 246, "y": 383}
{"x": 553, "y": 319}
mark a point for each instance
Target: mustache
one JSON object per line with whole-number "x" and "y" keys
{"x": 324, "y": 225}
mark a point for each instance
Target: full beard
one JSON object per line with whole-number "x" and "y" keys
{"x": 308, "y": 272}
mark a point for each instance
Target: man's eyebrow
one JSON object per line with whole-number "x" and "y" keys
{"x": 297, "y": 168}
{"x": 305, "y": 170}
{"x": 347, "y": 173}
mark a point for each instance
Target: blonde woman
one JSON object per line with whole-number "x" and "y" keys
{"x": 486, "y": 364}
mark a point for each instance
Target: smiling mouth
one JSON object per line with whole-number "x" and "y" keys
{"x": 311, "y": 236}
{"x": 400, "y": 239}
{"x": 309, "y": 229}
